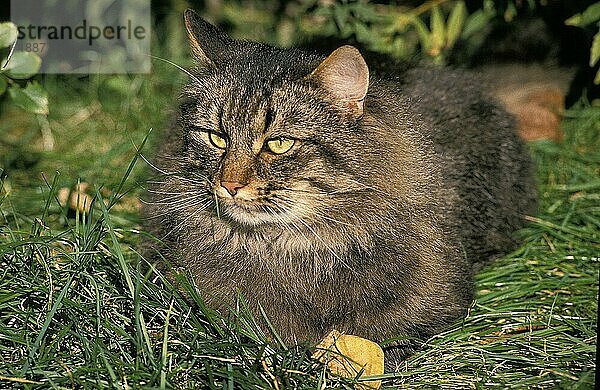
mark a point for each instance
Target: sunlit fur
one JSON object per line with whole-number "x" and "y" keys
{"x": 369, "y": 225}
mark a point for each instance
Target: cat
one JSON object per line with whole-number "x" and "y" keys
{"x": 333, "y": 199}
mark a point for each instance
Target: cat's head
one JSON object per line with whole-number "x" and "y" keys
{"x": 276, "y": 135}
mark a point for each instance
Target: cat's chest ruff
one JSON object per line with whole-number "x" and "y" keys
{"x": 303, "y": 267}
{"x": 282, "y": 242}
{"x": 275, "y": 245}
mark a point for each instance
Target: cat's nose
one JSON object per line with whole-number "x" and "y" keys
{"x": 232, "y": 186}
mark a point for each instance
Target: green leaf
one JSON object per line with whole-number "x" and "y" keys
{"x": 33, "y": 98}
{"x": 456, "y": 21}
{"x": 399, "y": 48}
{"x": 589, "y": 16}
{"x": 399, "y": 23}
{"x": 510, "y": 12}
{"x": 3, "y": 84}
{"x": 340, "y": 15}
{"x": 8, "y": 34}
{"x": 423, "y": 32}
{"x": 475, "y": 24}
{"x": 23, "y": 65}
{"x": 595, "y": 50}
{"x": 363, "y": 34}
{"x": 438, "y": 30}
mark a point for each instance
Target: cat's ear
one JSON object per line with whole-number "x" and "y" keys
{"x": 208, "y": 42}
{"x": 345, "y": 75}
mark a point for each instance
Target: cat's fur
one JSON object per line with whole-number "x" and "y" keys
{"x": 371, "y": 223}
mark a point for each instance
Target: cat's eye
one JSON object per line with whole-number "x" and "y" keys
{"x": 280, "y": 145}
{"x": 217, "y": 140}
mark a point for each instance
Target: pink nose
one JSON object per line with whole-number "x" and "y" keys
{"x": 232, "y": 186}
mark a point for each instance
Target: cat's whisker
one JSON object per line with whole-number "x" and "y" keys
{"x": 303, "y": 191}
{"x": 317, "y": 214}
{"x": 181, "y": 68}
{"x": 183, "y": 222}
{"x": 216, "y": 199}
{"x": 287, "y": 222}
{"x": 176, "y": 200}
{"x": 178, "y": 194}
{"x": 152, "y": 191}
{"x": 316, "y": 192}
{"x": 194, "y": 197}
{"x": 343, "y": 191}
{"x": 177, "y": 207}
{"x": 192, "y": 180}
{"x": 298, "y": 218}
{"x": 289, "y": 203}
{"x": 319, "y": 193}
{"x": 328, "y": 218}
{"x": 181, "y": 225}
{"x": 329, "y": 249}
{"x": 178, "y": 175}
{"x": 280, "y": 220}
{"x": 366, "y": 186}
{"x": 177, "y": 159}
{"x": 157, "y": 190}
{"x": 152, "y": 165}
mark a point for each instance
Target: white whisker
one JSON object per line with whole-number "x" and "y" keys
{"x": 366, "y": 186}
{"x": 181, "y": 68}
{"x": 182, "y": 223}
{"x": 175, "y": 199}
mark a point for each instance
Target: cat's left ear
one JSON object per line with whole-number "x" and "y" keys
{"x": 208, "y": 42}
{"x": 345, "y": 75}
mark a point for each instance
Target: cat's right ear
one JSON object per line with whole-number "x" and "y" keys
{"x": 344, "y": 74}
{"x": 208, "y": 42}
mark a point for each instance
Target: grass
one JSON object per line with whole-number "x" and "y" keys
{"x": 78, "y": 308}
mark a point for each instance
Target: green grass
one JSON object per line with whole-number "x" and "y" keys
{"x": 79, "y": 309}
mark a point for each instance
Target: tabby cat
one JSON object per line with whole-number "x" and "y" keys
{"x": 332, "y": 199}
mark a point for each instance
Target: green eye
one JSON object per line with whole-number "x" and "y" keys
{"x": 280, "y": 145}
{"x": 217, "y": 140}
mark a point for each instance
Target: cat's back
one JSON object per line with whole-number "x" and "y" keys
{"x": 487, "y": 175}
